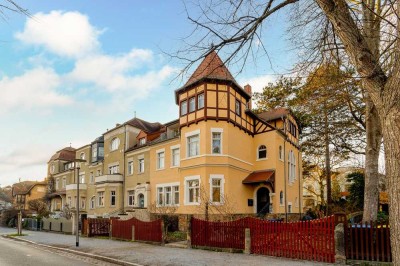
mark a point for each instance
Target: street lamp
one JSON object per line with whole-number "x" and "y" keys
{"x": 21, "y": 205}
{"x": 77, "y": 198}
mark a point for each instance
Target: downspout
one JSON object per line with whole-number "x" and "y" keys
{"x": 123, "y": 183}
{"x": 298, "y": 171}
{"x": 284, "y": 166}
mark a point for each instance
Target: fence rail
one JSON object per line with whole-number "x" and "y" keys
{"x": 144, "y": 231}
{"x": 368, "y": 241}
{"x": 309, "y": 240}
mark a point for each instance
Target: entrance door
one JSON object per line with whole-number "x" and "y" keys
{"x": 263, "y": 200}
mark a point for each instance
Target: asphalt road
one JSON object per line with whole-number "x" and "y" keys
{"x": 15, "y": 253}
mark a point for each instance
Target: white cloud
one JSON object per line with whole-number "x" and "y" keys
{"x": 63, "y": 33}
{"x": 258, "y": 83}
{"x": 110, "y": 72}
{"x": 34, "y": 89}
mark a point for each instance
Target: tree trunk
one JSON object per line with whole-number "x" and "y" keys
{"x": 391, "y": 131}
{"x": 327, "y": 162}
{"x": 373, "y": 137}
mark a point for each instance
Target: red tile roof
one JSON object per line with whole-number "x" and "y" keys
{"x": 260, "y": 177}
{"x": 144, "y": 125}
{"x": 66, "y": 154}
{"x": 211, "y": 67}
{"x": 274, "y": 114}
{"x": 24, "y": 187}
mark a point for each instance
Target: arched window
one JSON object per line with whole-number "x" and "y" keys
{"x": 262, "y": 152}
{"x": 291, "y": 167}
{"x": 92, "y": 202}
{"x": 114, "y": 144}
{"x": 281, "y": 198}
{"x": 141, "y": 200}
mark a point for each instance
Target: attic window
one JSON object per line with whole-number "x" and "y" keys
{"x": 114, "y": 144}
{"x": 142, "y": 141}
{"x": 82, "y": 156}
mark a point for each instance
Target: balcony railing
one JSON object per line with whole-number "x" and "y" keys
{"x": 113, "y": 178}
{"x": 74, "y": 186}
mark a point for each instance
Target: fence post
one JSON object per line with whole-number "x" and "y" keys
{"x": 247, "y": 241}
{"x": 163, "y": 233}
{"x": 133, "y": 233}
{"x": 110, "y": 230}
{"x": 189, "y": 230}
{"x": 340, "y": 253}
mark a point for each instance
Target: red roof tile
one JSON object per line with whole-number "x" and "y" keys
{"x": 66, "y": 154}
{"x": 274, "y": 114}
{"x": 211, "y": 67}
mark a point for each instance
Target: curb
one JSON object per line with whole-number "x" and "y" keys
{"x": 90, "y": 255}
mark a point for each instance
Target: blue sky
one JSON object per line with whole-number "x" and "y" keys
{"x": 76, "y": 68}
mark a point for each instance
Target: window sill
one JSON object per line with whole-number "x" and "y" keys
{"x": 192, "y": 203}
{"x": 160, "y": 169}
{"x": 262, "y": 159}
{"x": 174, "y": 166}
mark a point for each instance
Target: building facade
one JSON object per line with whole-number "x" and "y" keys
{"x": 218, "y": 157}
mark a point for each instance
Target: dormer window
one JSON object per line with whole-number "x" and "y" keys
{"x": 142, "y": 141}
{"x": 237, "y": 107}
{"x": 192, "y": 104}
{"x": 183, "y": 107}
{"x": 114, "y": 144}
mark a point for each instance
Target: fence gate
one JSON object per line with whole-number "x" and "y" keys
{"x": 144, "y": 231}
{"x": 98, "y": 227}
{"x": 306, "y": 240}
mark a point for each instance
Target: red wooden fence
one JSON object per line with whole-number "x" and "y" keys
{"x": 368, "y": 241}
{"x": 309, "y": 240}
{"x": 144, "y": 231}
{"x": 218, "y": 234}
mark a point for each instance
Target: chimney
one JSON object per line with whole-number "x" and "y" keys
{"x": 247, "y": 88}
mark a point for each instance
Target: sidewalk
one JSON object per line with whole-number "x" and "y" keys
{"x": 145, "y": 254}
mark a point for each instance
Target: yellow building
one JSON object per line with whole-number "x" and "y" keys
{"x": 218, "y": 157}
{"x": 26, "y": 191}
{"x": 231, "y": 159}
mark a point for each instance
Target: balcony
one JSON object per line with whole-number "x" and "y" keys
{"x": 114, "y": 178}
{"x": 74, "y": 187}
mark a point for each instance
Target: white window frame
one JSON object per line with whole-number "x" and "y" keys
{"x": 281, "y": 199}
{"x": 131, "y": 195}
{"x": 221, "y": 178}
{"x": 100, "y": 198}
{"x": 141, "y": 165}
{"x": 258, "y": 152}
{"x": 238, "y": 108}
{"x": 93, "y": 202}
{"x": 190, "y": 135}
{"x": 130, "y": 167}
{"x": 114, "y": 144}
{"x": 81, "y": 178}
{"x": 113, "y": 195}
{"x": 64, "y": 182}
{"x": 186, "y": 192}
{"x": 160, "y": 159}
{"x": 217, "y": 130}
{"x": 98, "y": 172}
{"x": 162, "y": 188}
{"x": 200, "y": 101}
{"x": 113, "y": 169}
{"x": 142, "y": 141}
{"x": 184, "y": 111}
{"x": 82, "y": 156}
{"x": 192, "y": 104}
{"x": 175, "y": 148}
{"x": 291, "y": 167}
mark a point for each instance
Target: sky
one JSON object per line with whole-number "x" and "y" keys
{"x": 76, "y": 68}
